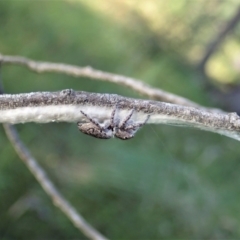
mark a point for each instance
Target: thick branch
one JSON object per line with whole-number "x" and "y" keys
{"x": 89, "y": 72}
{"x": 66, "y": 105}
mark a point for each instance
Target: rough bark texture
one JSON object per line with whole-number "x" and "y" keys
{"x": 66, "y": 105}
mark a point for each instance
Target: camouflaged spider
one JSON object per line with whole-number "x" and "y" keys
{"x": 124, "y": 130}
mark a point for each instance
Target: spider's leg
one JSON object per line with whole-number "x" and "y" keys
{"x": 138, "y": 125}
{"x": 123, "y": 124}
{"x": 113, "y": 115}
{"x": 92, "y": 120}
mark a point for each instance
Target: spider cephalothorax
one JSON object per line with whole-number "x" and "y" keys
{"x": 124, "y": 129}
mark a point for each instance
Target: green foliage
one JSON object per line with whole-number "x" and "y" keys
{"x": 167, "y": 182}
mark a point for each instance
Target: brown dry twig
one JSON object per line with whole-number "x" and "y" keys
{"x": 38, "y": 172}
{"x": 218, "y": 39}
{"x": 137, "y": 85}
{"x": 49, "y": 187}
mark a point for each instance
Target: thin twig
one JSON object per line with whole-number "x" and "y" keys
{"x": 48, "y": 185}
{"x": 219, "y": 39}
{"x": 66, "y": 106}
{"x": 89, "y": 72}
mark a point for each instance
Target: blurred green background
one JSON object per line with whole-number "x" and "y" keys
{"x": 167, "y": 182}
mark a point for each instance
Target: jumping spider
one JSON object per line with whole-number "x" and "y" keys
{"x": 121, "y": 129}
